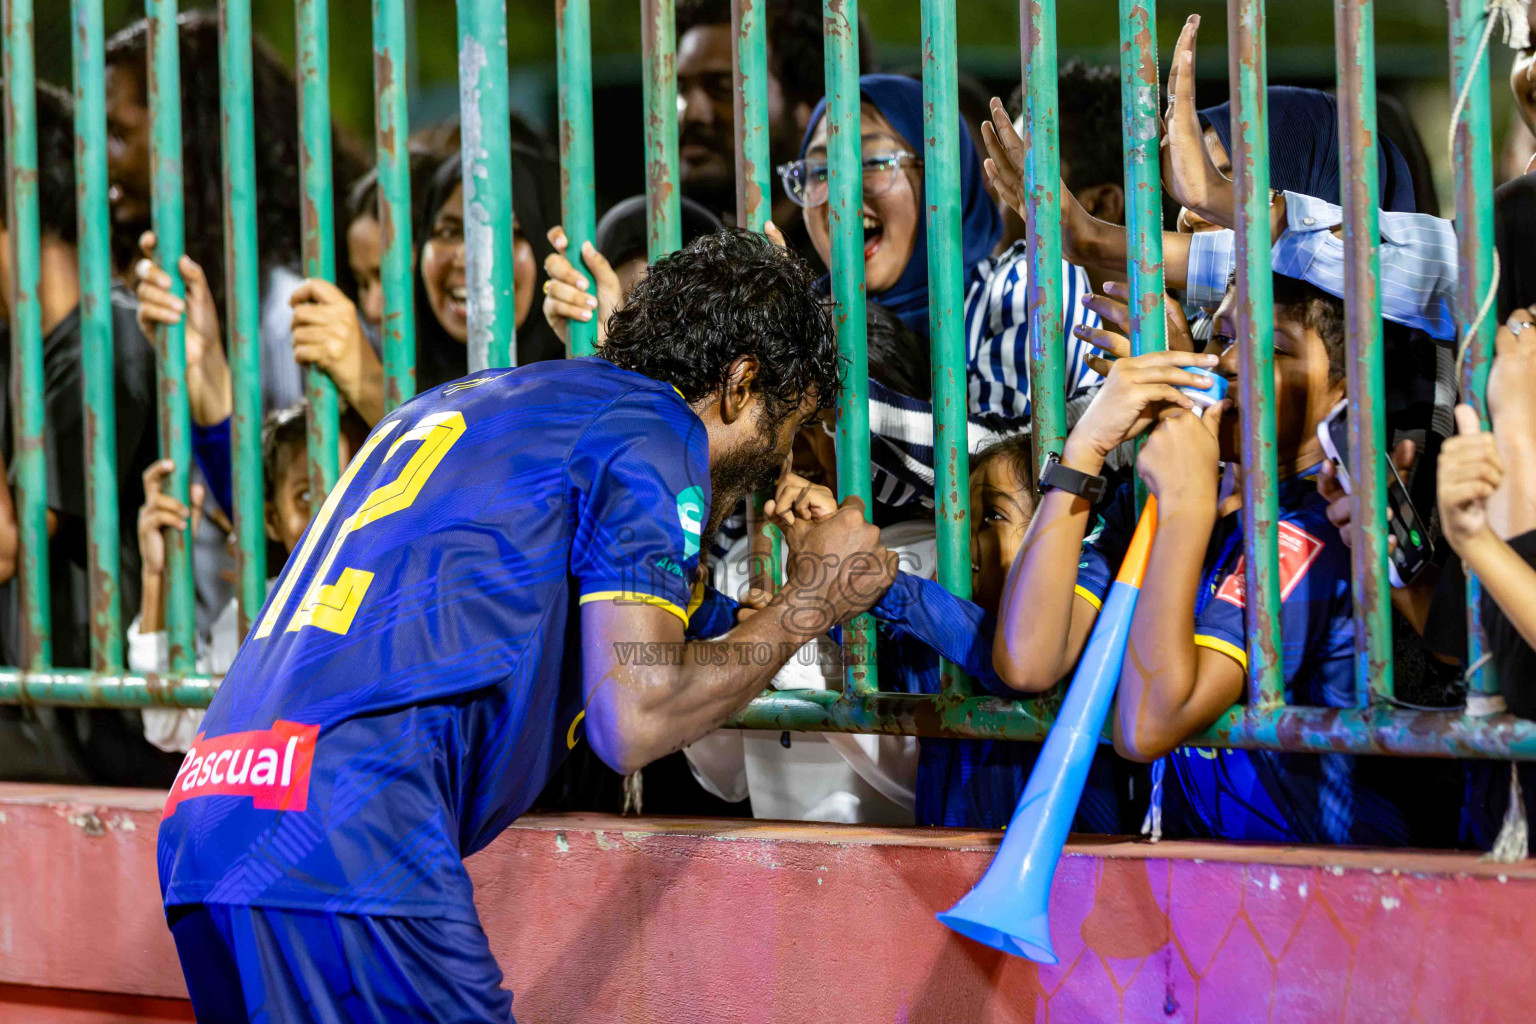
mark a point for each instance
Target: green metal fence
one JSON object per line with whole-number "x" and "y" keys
{"x": 1376, "y": 726}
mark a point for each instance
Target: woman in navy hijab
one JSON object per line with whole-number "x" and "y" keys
{"x": 895, "y": 228}
{"x": 1303, "y": 151}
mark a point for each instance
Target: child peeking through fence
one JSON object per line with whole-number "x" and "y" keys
{"x": 286, "y": 510}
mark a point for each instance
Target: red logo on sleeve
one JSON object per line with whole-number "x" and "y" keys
{"x": 271, "y": 766}
{"x": 1298, "y": 550}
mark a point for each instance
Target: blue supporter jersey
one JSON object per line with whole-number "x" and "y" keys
{"x": 1267, "y": 795}
{"x": 415, "y": 675}
{"x": 974, "y": 783}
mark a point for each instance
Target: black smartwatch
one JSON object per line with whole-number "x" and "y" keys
{"x": 1065, "y": 478}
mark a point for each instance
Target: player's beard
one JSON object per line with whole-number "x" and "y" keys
{"x": 749, "y": 467}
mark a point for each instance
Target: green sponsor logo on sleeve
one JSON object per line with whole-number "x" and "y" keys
{"x": 690, "y": 516}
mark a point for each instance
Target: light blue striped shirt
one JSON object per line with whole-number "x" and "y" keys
{"x": 1418, "y": 262}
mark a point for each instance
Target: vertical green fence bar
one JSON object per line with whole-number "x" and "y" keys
{"x": 946, "y": 307}
{"x": 754, "y": 205}
{"x": 393, "y": 161}
{"x": 242, "y": 290}
{"x": 1247, "y": 68}
{"x": 1042, "y": 223}
{"x": 485, "y": 121}
{"x": 1355, "y": 39}
{"x": 1474, "y": 232}
{"x": 573, "y": 41}
{"x": 94, "y": 239}
{"x": 311, "y": 18}
{"x": 658, "y": 47}
{"x": 1139, "y": 91}
{"x": 845, "y": 205}
{"x": 27, "y": 463}
{"x": 165, "y": 170}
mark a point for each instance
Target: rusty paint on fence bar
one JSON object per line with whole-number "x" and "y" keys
{"x": 1355, "y": 36}
{"x": 1139, "y": 90}
{"x": 1474, "y": 232}
{"x": 243, "y": 296}
{"x": 27, "y": 461}
{"x": 845, "y": 205}
{"x": 946, "y": 311}
{"x": 754, "y": 207}
{"x": 93, "y": 220}
{"x": 391, "y": 132}
{"x": 1042, "y": 221}
{"x": 318, "y": 216}
{"x": 486, "y": 172}
{"x": 658, "y": 47}
{"x": 1255, "y": 328}
{"x": 165, "y": 170}
{"x": 573, "y": 40}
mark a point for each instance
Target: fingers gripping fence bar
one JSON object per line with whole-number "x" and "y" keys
{"x": 165, "y": 149}
{"x": 311, "y": 19}
{"x": 1266, "y": 722}
{"x": 486, "y": 140}
{"x": 573, "y": 40}
{"x": 243, "y": 318}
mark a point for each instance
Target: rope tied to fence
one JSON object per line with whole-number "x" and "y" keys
{"x": 1517, "y": 35}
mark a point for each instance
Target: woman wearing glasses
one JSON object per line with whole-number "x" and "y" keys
{"x": 895, "y": 229}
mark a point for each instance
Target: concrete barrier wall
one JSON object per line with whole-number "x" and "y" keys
{"x": 653, "y": 920}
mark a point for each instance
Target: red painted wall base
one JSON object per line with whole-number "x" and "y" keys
{"x": 649, "y": 921}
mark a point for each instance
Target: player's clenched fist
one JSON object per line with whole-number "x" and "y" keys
{"x": 838, "y": 568}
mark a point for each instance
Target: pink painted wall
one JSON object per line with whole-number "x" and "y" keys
{"x": 602, "y": 919}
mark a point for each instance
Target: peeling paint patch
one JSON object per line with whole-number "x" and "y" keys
{"x": 89, "y": 823}
{"x": 562, "y": 844}
{"x": 603, "y": 842}
{"x": 1301, "y": 890}
{"x": 1274, "y": 882}
{"x": 479, "y": 234}
{"x": 1390, "y": 903}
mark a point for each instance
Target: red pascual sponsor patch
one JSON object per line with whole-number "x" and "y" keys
{"x": 1298, "y": 550}
{"x": 271, "y": 766}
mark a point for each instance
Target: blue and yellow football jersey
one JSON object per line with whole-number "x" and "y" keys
{"x": 415, "y": 676}
{"x": 1263, "y": 795}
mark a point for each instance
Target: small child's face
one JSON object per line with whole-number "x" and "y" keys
{"x": 1002, "y": 504}
{"x": 1303, "y": 393}
{"x": 289, "y": 510}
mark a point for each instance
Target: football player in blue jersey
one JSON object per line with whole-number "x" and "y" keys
{"x": 506, "y": 565}
{"x": 1187, "y": 661}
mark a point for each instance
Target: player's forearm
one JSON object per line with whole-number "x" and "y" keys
{"x": 1505, "y": 577}
{"x": 1033, "y": 648}
{"x": 663, "y": 708}
{"x": 1157, "y": 678}
{"x": 958, "y": 629}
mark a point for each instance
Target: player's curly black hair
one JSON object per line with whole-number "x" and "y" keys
{"x": 723, "y": 296}
{"x": 796, "y": 52}
{"x": 55, "y": 163}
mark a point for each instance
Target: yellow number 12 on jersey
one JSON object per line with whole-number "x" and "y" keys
{"x": 332, "y": 606}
